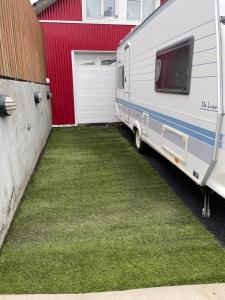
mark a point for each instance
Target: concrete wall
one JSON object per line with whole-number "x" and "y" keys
{"x": 22, "y": 138}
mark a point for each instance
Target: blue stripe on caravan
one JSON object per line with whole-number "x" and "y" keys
{"x": 199, "y": 133}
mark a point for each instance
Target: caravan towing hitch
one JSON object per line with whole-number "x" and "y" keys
{"x": 206, "y": 212}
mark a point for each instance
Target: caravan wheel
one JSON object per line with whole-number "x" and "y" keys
{"x": 140, "y": 145}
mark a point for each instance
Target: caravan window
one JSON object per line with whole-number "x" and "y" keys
{"x": 120, "y": 77}
{"x": 173, "y": 68}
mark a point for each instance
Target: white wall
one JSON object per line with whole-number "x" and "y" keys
{"x": 22, "y": 138}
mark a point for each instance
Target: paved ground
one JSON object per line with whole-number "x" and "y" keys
{"x": 186, "y": 189}
{"x": 196, "y": 292}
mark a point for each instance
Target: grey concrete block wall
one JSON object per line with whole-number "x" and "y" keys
{"x": 22, "y": 139}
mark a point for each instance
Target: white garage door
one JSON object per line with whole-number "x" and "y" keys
{"x": 94, "y": 83}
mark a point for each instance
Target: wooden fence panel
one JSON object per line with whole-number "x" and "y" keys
{"x": 22, "y": 51}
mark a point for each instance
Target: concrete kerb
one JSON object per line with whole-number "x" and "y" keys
{"x": 192, "y": 292}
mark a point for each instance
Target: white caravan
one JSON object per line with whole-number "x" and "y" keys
{"x": 170, "y": 88}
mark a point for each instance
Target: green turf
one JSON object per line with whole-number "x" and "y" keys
{"x": 97, "y": 217}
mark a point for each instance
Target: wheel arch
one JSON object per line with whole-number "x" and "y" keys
{"x": 136, "y": 126}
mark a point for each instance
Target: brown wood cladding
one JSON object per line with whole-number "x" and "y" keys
{"x": 22, "y": 52}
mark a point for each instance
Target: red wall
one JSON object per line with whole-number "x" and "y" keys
{"x": 63, "y": 10}
{"x": 66, "y": 10}
{"x": 60, "y": 39}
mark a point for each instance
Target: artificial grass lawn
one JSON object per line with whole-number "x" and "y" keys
{"x": 97, "y": 217}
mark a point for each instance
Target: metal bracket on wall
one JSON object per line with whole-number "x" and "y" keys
{"x": 222, "y": 19}
{"x": 7, "y": 106}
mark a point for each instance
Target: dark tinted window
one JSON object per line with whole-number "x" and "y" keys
{"x": 173, "y": 68}
{"x": 120, "y": 77}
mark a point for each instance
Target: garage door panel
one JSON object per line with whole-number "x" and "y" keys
{"x": 103, "y": 95}
{"x": 96, "y": 106}
{"x": 106, "y": 117}
{"x": 99, "y": 74}
{"x": 97, "y": 113}
{"x": 95, "y": 88}
{"x": 90, "y": 105}
{"x": 98, "y": 84}
{"x": 93, "y": 118}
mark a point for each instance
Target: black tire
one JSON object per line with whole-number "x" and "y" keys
{"x": 139, "y": 144}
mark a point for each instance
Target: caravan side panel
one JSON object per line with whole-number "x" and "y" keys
{"x": 182, "y": 127}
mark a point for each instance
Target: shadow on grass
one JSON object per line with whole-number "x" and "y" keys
{"x": 185, "y": 189}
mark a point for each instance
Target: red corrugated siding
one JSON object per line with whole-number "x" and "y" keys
{"x": 66, "y": 10}
{"x": 60, "y": 40}
{"x": 63, "y": 10}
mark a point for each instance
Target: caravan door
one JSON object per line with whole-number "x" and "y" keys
{"x": 127, "y": 79}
